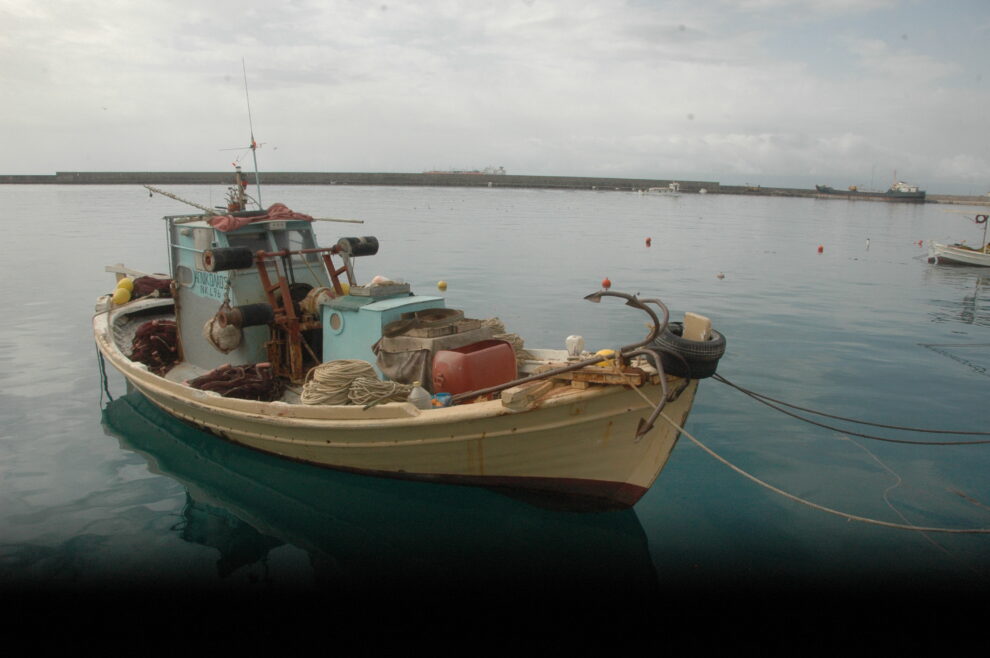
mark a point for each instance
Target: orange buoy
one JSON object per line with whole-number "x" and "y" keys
{"x": 649, "y": 241}
{"x": 821, "y": 248}
{"x": 606, "y": 284}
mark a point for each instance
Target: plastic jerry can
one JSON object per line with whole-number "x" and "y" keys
{"x": 473, "y": 367}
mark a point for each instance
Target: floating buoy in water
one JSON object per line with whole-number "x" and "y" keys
{"x": 720, "y": 275}
{"x": 920, "y": 242}
{"x": 649, "y": 241}
{"x": 441, "y": 285}
{"x": 126, "y": 283}
{"x": 821, "y": 248}
{"x": 606, "y": 284}
{"x": 121, "y": 296}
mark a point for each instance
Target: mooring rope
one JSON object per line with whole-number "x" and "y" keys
{"x": 797, "y": 499}
{"x": 767, "y": 400}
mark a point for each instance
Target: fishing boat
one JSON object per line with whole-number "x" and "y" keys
{"x": 262, "y": 337}
{"x": 960, "y": 253}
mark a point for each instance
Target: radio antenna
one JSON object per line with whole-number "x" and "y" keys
{"x": 254, "y": 144}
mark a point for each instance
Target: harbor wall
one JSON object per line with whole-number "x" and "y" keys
{"x": 354, "y": 178}
{"x": 434, "y": 179}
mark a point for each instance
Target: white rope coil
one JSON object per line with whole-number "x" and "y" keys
{"x": 365, "y": 390}
{"x": 329, "y": 383}
{"x": 349, "y": 381}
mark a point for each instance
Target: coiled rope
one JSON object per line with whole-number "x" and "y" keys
{"x": 797, "y": 499}
{"x": 349, "y": 381}
{"x": 772, "y": 403}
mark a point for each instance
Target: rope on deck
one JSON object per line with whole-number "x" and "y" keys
{"x": 349, "y": 381}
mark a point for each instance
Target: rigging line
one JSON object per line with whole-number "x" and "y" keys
{"x": 822, "y": 508}
{"x": 759, "y": 397}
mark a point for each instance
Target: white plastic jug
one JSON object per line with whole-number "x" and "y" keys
{"x": 420, "y": 397}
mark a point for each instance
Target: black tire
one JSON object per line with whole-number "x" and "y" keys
{"x": 698, "y": 359}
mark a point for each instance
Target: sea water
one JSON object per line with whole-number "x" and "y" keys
{"x": 826, "y": 304}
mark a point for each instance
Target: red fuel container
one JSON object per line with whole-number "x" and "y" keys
{"x": 473, "y": 367}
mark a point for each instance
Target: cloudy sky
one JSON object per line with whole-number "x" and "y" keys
{"x": 747, "y": 91}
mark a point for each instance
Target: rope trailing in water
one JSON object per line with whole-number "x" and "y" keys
{"x": 103, "y": 376}
{"x": 772, "y": 403}
{"x": 349, "y": 381}
{"x": 822, "y": 508}
{"x": 797, "y": 499}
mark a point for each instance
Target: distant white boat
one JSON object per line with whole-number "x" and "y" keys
{"x": 673, "y": 189}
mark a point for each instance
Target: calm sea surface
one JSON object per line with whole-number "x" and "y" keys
{"x": 95, "y": 492}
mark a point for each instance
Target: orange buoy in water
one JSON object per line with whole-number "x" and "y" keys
{"x": 821, "y": 248}
{"x": 606, "y": 284}
{"x": 649, "y": 241}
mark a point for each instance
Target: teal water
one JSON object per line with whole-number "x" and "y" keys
{"x": 97, "y": 493}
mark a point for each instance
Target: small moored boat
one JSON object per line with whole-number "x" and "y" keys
{"x": 266, "y": 339}
{"x": 962, "y": 254}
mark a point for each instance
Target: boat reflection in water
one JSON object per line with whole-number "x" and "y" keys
{"x": 370, "y": 534}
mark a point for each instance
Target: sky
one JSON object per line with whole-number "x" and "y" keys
{"x": 762, "y": 92}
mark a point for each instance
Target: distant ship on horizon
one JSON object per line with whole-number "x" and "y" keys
{"x": 899, "y": 191}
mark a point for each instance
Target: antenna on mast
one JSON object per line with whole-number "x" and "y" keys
{"x": 254, "y": 145}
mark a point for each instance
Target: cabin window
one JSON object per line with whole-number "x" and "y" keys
{"x": 255, "y": 241}
{"x": 294, "y": 240}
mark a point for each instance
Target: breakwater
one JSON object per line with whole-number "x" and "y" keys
{"x": 433, "y": 179}
{"x": 355, "y": 178}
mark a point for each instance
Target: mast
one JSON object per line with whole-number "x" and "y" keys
{"x": 254, "y": 144}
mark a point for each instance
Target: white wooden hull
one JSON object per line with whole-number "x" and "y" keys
{"x": 942, "y": 253}
{"x": 574, "y": 442}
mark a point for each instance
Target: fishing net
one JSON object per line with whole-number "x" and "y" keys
{"x": 156, "y": 345}
{"x": 151, "y": 286}
{"x": 248, "y": 382}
